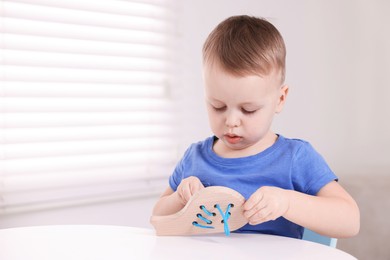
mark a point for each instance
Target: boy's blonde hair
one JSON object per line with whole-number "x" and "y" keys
{"x": 244, "y": 45}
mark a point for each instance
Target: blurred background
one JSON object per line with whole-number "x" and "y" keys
{"x": 99, "y": 100}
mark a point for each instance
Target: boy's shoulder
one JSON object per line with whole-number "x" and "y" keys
{"x": 200, "y": 146}
{"x": 293, "y": 141}
{"x": 202, "y": 143}
{"x": 301, "y": 149}
{"x": 294, "y": 145}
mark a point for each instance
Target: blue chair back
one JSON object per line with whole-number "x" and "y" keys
{"x": 309, "y": 235}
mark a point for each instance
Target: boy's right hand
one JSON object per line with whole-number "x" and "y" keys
{"x": 188, "y": 187}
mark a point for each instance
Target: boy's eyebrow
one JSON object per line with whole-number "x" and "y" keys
{"x": 253, "y": 104}
{"x": 248, "y": 103}
{"x": 213, "y": 99}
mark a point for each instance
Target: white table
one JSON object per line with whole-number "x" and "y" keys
{"x": 116, "y": 243}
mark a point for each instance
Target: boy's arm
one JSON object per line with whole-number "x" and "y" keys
{"x": 333, "y": 212}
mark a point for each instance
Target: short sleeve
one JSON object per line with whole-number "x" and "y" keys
{"x": 310, "y": 172}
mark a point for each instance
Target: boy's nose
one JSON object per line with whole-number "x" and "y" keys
{"x": 232, "y": 120}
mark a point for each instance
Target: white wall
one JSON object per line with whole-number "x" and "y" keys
{"x": 338, "y": 55}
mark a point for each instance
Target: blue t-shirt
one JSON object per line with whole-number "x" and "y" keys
{"x": 290, "y": 164}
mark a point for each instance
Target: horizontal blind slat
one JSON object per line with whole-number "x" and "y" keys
{"x": 81, "y": 61}
{"x": 38, "y": 135}
{"x": 81, "y": 32}
{"x": 47, "y": 74}
{"x": 84, "y": 176}
{"x": 150, "y": 8}
{"x": 58, "y": 89}
{"x": 55, "y": 149}
{"x": 60, "y": 119}
{"x": 79, "y": 162}
{"x": 83, "y": 17}
{"x": 17, "y": 104}
{"x": 50, "y": 44}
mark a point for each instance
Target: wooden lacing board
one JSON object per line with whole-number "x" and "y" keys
{"x": 181, "y": 222}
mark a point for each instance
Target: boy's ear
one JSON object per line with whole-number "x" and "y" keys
{"x": 282, "y": 98}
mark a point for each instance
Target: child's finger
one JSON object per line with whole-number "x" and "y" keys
{"x": 255, "y": 210}
{"x": 183, "y": 193}
{"x": 187, "y": 193}
{"x": 260, "y": 217}
{"x": 253, "y": 201}
{"x": 194, "y": 188}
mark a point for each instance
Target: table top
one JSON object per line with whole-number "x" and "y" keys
{"x": 74, "y": 242}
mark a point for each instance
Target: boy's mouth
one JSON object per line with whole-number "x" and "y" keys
{"x": 232, "y": 139}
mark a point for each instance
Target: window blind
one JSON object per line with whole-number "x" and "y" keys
{"x": 85, "y": 107}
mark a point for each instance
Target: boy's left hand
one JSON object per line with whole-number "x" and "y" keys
{"x": 267, "y": 203}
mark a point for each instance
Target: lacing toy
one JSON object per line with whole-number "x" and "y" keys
{"x": 214, "y": 209}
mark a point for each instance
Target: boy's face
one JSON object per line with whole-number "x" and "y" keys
{"x": 241, "y": 109}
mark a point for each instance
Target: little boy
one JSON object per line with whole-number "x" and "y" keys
{"x": 286, "y": 183}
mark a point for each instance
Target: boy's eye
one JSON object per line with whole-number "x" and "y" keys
{"x": 219, "y": 109}
{"x": 245, "y": 111}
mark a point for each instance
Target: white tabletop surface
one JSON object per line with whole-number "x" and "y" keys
{"x": 116, "y": 243}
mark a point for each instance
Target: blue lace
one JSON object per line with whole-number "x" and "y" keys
{"x": 225, "y": 216}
